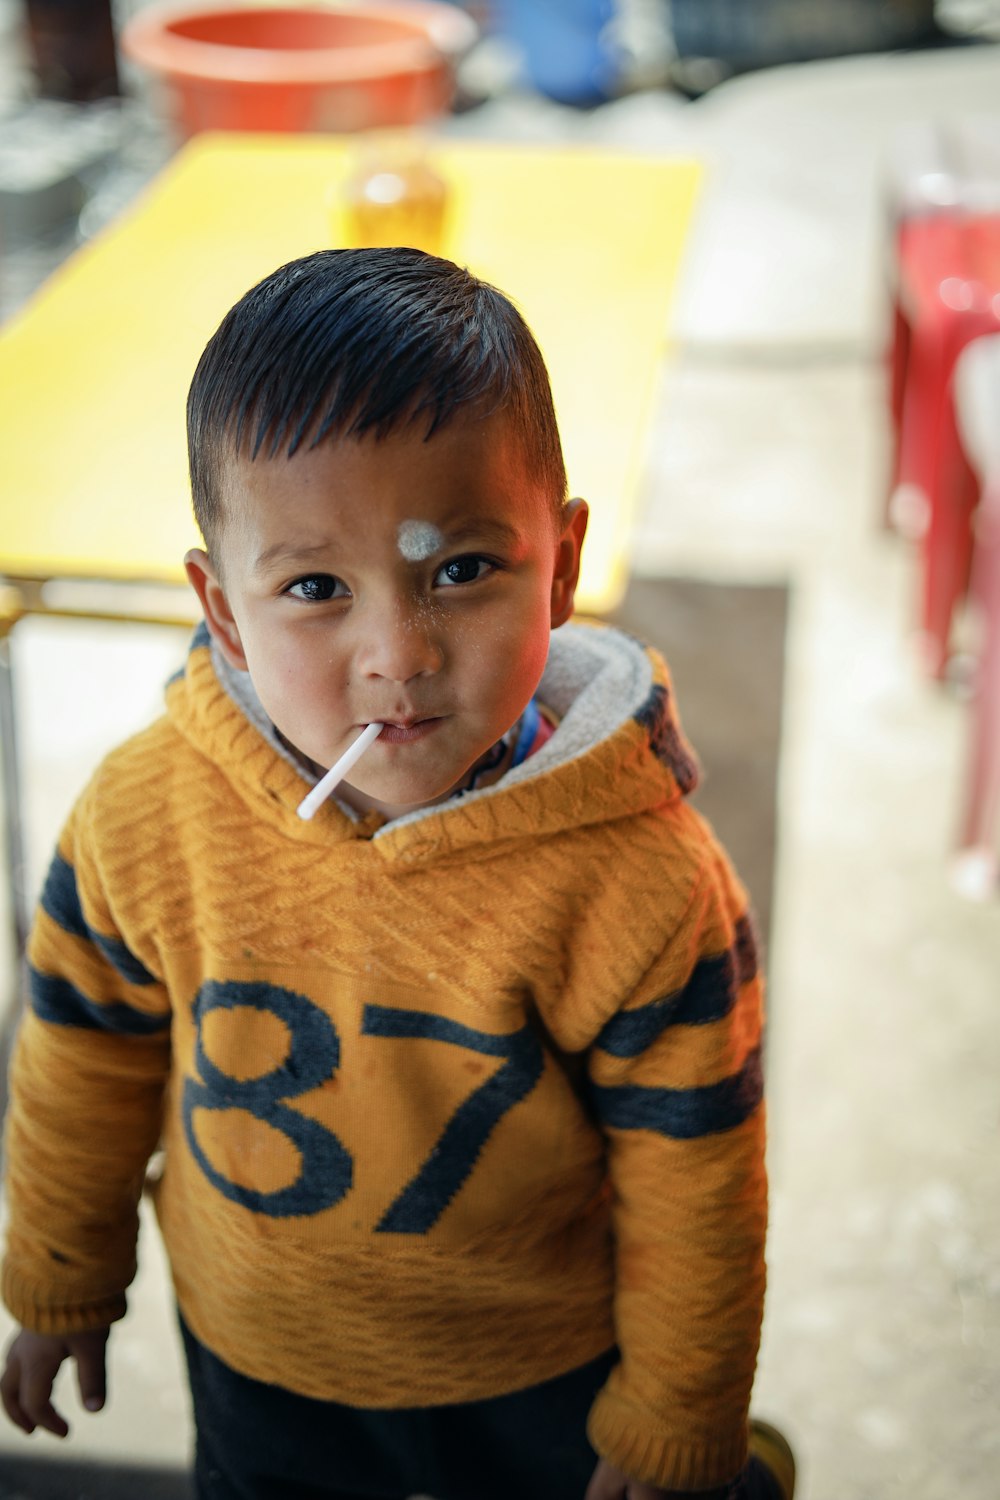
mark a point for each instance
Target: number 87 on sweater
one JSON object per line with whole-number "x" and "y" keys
{"x": 244, "y": 1130}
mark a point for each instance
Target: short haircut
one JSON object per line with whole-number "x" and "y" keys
{"x": 347, "y": 342}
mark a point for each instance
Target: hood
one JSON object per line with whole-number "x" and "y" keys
{"x": 618, "y": 750}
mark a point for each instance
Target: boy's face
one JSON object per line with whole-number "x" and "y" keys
{"x": 405, "y": 581}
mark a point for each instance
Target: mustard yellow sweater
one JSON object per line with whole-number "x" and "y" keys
{"x": 448, "y": 1105}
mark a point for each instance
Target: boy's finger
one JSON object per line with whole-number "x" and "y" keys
{"x": 91, "y": 1377}
{"x": 35, "y": 1402}
{"x": 17, "y": 1415}
{"x": 50, "y": 1419}
{"x": 9, "y": 1387}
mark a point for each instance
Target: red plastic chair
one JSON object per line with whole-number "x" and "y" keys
{"x": 942, "y": 191}
{"x": 948, "y": 293}
{"x": 977, "y": 404}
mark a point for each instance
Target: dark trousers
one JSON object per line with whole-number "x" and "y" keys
{"x": 260, "y": 1442}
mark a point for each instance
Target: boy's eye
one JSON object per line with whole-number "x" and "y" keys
{"x": 463, "y": 570}
{"x": 317, "y": 588}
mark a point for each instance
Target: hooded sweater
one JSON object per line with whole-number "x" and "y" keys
{"x": 449, "y": 1105}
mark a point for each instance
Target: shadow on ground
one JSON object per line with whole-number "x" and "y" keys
{"x": 49, "y": 1479}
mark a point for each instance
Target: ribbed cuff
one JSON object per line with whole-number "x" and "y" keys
{"x": 41, "y": 1311}
{"x": 628, "y": 1438}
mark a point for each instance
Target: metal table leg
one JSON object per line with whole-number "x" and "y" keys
{"x": 11, "y": 782}
{"x": 14, "y": 989}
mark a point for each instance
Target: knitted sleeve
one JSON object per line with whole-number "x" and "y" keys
{"x": 676, "y": 1084}
{"x": 86, "y": 1088}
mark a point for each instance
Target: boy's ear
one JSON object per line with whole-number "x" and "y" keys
{"x": 218, "y": 616}
{"x": 567, "y": 573}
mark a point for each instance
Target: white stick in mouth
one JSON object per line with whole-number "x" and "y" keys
{"x": 338, "y": 770}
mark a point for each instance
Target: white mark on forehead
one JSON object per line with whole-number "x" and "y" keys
{"x": 418, "y": 540}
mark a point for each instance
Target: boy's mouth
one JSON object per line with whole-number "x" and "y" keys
{"x": 405, "y": 731}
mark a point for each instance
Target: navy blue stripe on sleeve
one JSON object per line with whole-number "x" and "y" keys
{"x": 684, "y": 1114}
{"x": 123, "y": 959}
{"x": 665, "y": 739}
{"x": 61, "y": 900}
{"x": 62, "y": 1004}
{"x": 709, "y": 994}
{"x": 745, "y": 948}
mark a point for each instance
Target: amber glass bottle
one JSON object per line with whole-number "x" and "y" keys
{"x": 393, "y": 195}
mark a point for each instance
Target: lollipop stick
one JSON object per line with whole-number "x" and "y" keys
{"x": 338, "y": 770}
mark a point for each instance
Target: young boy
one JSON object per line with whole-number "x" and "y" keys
{"x": 458, "y": 1083}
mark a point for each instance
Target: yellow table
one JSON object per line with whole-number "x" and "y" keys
{"x": 94, "y": 371}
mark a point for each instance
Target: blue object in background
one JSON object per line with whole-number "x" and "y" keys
{"x": 565, "y": 46}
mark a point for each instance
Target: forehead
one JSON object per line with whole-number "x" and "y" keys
{"x": 474, "y": 465}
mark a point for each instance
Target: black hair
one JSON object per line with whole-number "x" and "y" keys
{"x": 347, "y": 342}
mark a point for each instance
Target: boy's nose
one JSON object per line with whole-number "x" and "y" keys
{"x": 400, "y": 643}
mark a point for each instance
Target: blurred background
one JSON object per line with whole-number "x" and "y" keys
{"x": 813, "y": 543}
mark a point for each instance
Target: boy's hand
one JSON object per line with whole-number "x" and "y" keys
{"x": 609, "y": 1483}
{"x": 33, "y": 1360}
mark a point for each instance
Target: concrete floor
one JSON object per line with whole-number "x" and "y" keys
{"x": 881, "y": 1355}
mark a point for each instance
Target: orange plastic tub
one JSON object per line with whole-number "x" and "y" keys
{"x": 300, "y": 67}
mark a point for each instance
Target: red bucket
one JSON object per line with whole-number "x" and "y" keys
{"x": 300, "y": 67}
